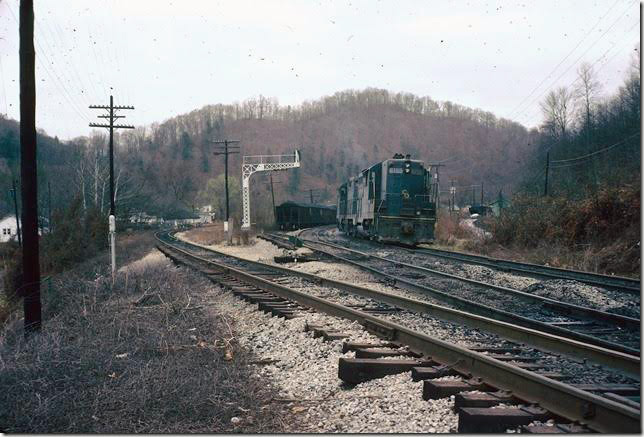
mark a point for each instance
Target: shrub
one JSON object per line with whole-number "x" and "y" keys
{"x": 605, "y": 226}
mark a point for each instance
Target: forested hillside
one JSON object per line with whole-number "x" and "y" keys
{"x": 169, "y": 167}
{"x": 54, "y": 161}
{"x": 338, "y": 136}
{"x": 593, "y": 140}
{"x": 587, "y": 216}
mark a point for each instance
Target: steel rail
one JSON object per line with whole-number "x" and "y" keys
{"x": 569, "y": 308}
{"x": 551, "y": 342}
{"x": 487, "y": 311}
{"x": 614, "y": 282}
{"x": 597, "y": 413}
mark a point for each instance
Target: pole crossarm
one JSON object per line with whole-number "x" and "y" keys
{"x": 115, "y": 126}
{"x": 255, "y": 163}
{"x": 107, "y": 116}
{"x": 110, "y": 107}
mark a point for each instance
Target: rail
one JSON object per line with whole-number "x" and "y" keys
{"x": 490, "y": 321}
{"x": 599, "y": 414}
{"x": 570, "y": 308}
{"x": 616, "y": 282}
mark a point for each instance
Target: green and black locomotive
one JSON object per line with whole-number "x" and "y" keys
{"x": 392, "y": 201}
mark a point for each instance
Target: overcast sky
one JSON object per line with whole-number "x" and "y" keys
{"x": 170, "y": 57}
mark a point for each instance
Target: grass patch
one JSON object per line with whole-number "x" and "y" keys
{"x": 145, "y": 355}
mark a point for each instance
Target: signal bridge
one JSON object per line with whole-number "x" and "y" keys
{"x": 255, "y": 163}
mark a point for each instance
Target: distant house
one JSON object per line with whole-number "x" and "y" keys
{"x": 500, "y": 203}
{"x": 144, "y": 218}
{"x": 181, "y": 218}
{"x": 8, "y": 229}
{"x": 207, "y": 214}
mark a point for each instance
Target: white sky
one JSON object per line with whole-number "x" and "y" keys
{"x": 170, "y": 57}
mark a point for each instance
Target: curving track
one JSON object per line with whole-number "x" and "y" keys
{"x": 565, "y": 401}
{"x": 620, "y": 283}
{"x": 588, "y": 325}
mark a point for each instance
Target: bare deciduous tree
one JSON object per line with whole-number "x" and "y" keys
{"x": 586, "y": 93}
{"x": 557, "y": 109}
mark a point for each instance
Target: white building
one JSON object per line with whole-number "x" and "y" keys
{"x": 8, "y": 229}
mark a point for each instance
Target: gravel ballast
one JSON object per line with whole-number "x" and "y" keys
{"x": 306, "y": 373}
{"x": 581, "y": 372}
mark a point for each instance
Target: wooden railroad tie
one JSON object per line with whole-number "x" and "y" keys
{"x": 357, "y": 370}
{"x": 477, "y": 420}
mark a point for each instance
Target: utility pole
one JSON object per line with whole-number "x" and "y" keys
{"x": 545, "y": 190}
{"x": 227, "y": 150}
{"x": 273, "y": 198}
{"x": 452, "y": 191}
{"x": 29, "y": 171}
{"x": 311, "y": 195}
{"x": 473, "y": 195}
{"x": 111, "y": 116}
{"x": 481, "y": 193}
{"x": 49, "y": 206}
{"x": 15, "y": 205}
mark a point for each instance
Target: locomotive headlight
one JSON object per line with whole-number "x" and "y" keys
{"x": 407, "y": 167}
{"x": 417, "y": 212}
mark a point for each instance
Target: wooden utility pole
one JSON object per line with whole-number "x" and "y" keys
{"x": 111, "y": 116}
{"x": 226, "y": 150}
{"x": 311, "y": 195}
{"x": 49, "y": 206}
{"x": 452, "y": 191}
{"x": 28, "y": 171}
{"x": 15, "y": 206}
{"x": 273, "y": 198}
{"x": 545, "y": 189}
{"x": 481, "y": 193}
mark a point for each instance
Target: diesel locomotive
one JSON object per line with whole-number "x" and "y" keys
{"x": 392, "y": 201}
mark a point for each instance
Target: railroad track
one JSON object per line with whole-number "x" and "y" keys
{"x": 607, "y": 330}
{"x": 503, "y": 373}
{"x": 628, "y": 285}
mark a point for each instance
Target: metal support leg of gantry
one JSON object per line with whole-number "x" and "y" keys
{"x": 253, "y": 164}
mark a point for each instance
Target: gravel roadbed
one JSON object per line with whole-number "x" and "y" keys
{"x": 581, "y": 372}
{"x": 306, "y": 375}
{"x": 309, "y": 375}
{"x": 564, "y": 290}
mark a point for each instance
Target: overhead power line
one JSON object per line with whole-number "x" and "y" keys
{"x": 553, "y": 83}
{"x": 579, "y": 159}
{"x": 602, "y": 65}
{"x": 563, "y": 60}
{"x": 52, "y": 75}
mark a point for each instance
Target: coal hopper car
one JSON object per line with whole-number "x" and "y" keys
{"x": 295, "y": 215}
